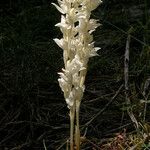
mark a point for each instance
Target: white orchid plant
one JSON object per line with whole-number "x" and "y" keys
{"x": 78, "y": 46}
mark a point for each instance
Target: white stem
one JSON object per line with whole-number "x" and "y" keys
{"x": 77, "y": 133}
{"x": 72, "y": 117}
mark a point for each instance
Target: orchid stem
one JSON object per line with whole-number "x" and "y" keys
{"x": 77, "y": 133}
{"x": 72, "y": 117}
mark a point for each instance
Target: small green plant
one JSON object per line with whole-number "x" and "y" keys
{"x": 78, "y": 46}
{"x": 129, "y": 141}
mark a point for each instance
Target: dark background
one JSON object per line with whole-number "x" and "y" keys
{"x": 33, "y": 111}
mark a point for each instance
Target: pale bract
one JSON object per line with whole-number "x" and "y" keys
{"x": 91, "y": 4}
{"x": 62, "y": 8}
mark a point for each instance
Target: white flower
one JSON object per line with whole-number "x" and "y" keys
{"x": 92, "y": 25}
{"x": 63, "y": 76}
{"x": 61, "y": 43}
{"x": 63, "y": 7}
{"x": 63, "y": 84}
{"x": 88, "y": 38}
{"x": 71, "y": 99}
{"x": 94, "y": 51}
{"x": 76, "y": 80}
{"x": 75, "y": 65}
{"x": 77, "y": 44}
{"x": 82, "y": 25}
{"x": 65, "y": 87}
{"x": 72, "y": 17}
{"x": 63, "y": 23}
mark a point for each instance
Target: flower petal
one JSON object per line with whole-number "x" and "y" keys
{"x": 59, "y": 42}
{"x": 58, "y": 8}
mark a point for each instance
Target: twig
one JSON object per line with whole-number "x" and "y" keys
{"x": 145, "y": 94}
{"x": 126, "y": 79}
{"x": 62, "y": 144}
{"x": 116, "y": 129}
{"x": 101, "y": 111}
{"x": 10, "y": 136}
{"x": 93, "y": 144}
{"x": 133, "y": 37}
{"x": 44, "y": 145}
